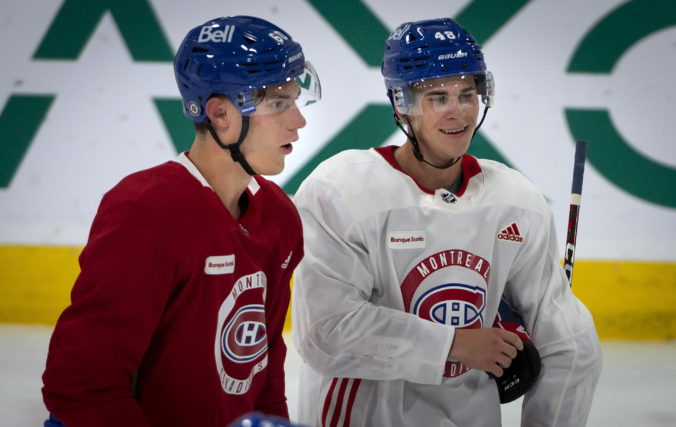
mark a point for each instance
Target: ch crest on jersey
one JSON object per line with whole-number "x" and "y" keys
{"x": 244, "y": 338}
{"x": 453, "y": 304}
{"x": 241, "y": 345}
{"x": 448, "y": 287}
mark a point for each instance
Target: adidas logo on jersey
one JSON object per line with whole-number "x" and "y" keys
{"x": 285, "y": 264}
{"x": 511, "y": 233}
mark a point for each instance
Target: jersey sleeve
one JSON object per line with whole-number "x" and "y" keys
{"x": 563, "y": 332}
{"x": 116, "y": 303}
{"x": 337, "y": 330}
{"x": 273, "y": 399}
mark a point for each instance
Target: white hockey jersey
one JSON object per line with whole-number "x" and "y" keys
{"x": 392, "y": 269}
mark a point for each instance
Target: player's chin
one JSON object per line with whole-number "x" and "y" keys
{"x": 455, "y": 147}
{"x": 274, "y": 168}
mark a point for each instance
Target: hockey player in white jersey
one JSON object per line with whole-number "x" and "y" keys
{"x": 409, "y": 251}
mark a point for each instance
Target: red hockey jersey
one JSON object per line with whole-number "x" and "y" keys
{"x": 177, "y": 314}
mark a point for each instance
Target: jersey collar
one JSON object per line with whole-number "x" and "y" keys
{"x": 185, "y": 161}
{"x": 470, "y": 167}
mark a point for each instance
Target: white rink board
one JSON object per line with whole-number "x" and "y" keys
{"x": 102, "y": 124}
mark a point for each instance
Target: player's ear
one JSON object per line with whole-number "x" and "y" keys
{"x": 221, "y": 111}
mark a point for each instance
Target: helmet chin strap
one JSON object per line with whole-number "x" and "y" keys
{"x": 414, "y": 140}
{"x": 235, "y": 147}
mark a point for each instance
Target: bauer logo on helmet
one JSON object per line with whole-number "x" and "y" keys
{"x": 458, "y": 54}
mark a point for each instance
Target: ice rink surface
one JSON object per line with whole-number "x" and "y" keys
{"x": 637, "y": 386}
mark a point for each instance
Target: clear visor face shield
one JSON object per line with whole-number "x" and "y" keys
{"x": 444, "y": 94}
{"x": 296, "y": 92}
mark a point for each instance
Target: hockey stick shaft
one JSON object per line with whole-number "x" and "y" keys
{"x": 574, "y": 212}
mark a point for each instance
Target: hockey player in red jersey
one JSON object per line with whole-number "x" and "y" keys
{"x": 177, "y": 315}
{"x": 410, "y": 251}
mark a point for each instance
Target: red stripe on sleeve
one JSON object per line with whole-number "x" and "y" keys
{"x": 327, "y": 401}
{"x": 350, "y": 401}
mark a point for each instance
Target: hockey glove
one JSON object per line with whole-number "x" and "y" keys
{"x": 520, "y": 376}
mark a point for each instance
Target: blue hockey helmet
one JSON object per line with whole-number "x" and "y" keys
{"x": 430, "y": 49}
{"x": 235, "y": 56}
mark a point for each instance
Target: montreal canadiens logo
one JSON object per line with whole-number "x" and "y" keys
{"x": 244, "y": 338}
{"x": 453, "y": 304}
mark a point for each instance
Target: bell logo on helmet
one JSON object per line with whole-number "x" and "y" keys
{"x": 207, "y": 33}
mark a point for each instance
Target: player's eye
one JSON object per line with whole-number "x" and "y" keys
{"x": 279, "y": 105}
{"x": 466, "y": 97}
{"x": 438, "y": 99}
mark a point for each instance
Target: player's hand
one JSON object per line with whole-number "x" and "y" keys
{"x": 488, "y": 349}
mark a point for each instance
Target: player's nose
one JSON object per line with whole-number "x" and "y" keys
{"x": 296, "y": 120}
